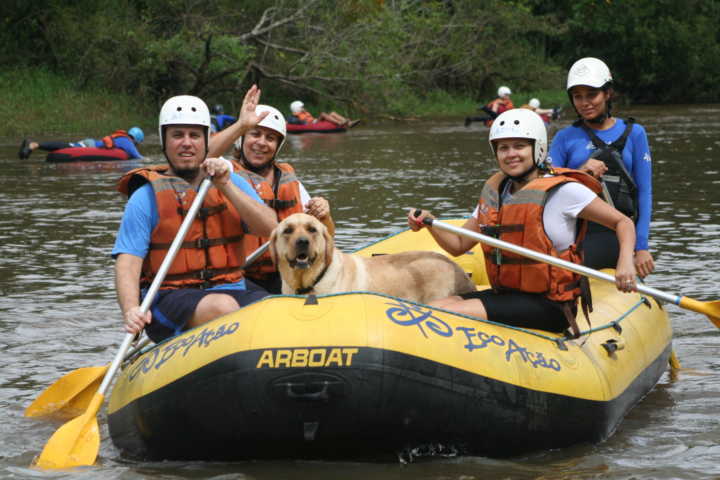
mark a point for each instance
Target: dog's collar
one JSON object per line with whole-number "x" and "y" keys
{"x": 308, "y": 289}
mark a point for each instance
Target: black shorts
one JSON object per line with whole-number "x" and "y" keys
{"x": 270, "y": 282}
{"x": 600, "y": 247}
{"x": 520, "y": 309}
{"x": 172, "y": 308}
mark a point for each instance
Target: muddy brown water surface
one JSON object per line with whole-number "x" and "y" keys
{"x": 58, "y": 310}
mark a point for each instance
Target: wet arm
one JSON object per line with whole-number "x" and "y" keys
{"x": 127, "y": 287}
{"x": 319, "y": 208}
{"x": 224, "y": 139}
{"x": 599, "y": 211}
{"x": 260, "y": 218}
{"x": 452, "y": 243}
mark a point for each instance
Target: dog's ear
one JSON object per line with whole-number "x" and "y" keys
{"x": 272, "y": 247}
{"x": 329, "y": 245}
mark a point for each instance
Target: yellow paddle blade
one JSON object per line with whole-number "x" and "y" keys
{"x": 711, "y": 309}
{"x": 674, "y": 361}
{"x": 76, "y": 443}
{"x": 70, "y": 395}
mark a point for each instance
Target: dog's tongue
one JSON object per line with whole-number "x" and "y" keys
{"x": 302, "y": 261}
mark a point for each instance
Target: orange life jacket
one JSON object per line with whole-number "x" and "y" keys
{"x": 109, "y": 140}
{"x": 305, "y": 117}
{"x": 502, "y": 106}
{"x": 212, "y": 252}
{"x": 520, "y": 222}
{"x": 283, "y": 197}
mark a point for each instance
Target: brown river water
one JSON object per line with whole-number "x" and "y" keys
{"x": 58, "y": 310}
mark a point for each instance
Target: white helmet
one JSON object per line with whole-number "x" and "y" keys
{"x": 502, "y": 91}
{"x": 589, "y": 71}
{"x": 296, "y": 106}
{"x": 274, "y": 120}
{"x": 521, "y": 123}
{"x": 183, "y": 110}
{"x": 534, "y": 103}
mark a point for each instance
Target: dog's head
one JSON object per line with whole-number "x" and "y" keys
{"x": 302, "y": 242}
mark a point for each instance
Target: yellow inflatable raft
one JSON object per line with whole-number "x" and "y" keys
{"x": 363, "y": 375}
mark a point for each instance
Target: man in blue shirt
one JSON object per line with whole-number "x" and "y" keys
{"x": 205, "y": 280}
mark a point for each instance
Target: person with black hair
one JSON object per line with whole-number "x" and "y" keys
{"x": 614, "y": 150}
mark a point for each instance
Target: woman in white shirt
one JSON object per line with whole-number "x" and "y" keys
{"x": 529, "y": 204}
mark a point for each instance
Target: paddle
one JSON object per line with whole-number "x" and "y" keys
{"x": 78, "y": 441}
{"x": 711, "y": 309}
{"x": 70, "y": 395}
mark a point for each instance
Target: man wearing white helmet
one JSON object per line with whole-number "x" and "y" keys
{"x": 300, "y": 116}
{"x": 541, "y": 209}
{"x": 206, "y": 279}
{"x": 501, "y": 104}
{"x": 614, "y": 150}
{"x": 256, "y": 147}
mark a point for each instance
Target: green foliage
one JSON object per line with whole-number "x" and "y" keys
{"x": 39, "y": 101}
{"x": 658, "y": 50}
{"x": 392, "y": 57}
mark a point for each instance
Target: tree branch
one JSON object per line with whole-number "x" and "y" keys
{"x": 260, "y": 30}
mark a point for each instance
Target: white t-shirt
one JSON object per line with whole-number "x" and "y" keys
{"x": 304, "y": 196}
{"x": 563, "y": 206}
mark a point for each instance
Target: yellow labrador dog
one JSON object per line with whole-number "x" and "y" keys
{"x": 305, "y": 255}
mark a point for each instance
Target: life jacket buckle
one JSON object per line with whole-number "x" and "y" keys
{"x": 203, "y": 213}
{"x": 202, "y": 243}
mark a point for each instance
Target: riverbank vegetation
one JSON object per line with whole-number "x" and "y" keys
{"x": 386, "y": 58}
{"x": 37, "y": 101}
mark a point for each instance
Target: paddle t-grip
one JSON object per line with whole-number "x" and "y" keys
{"x": 427, "y": 220}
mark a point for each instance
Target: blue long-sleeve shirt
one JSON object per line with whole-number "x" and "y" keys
{"x": 571, "y": 147}
{"x": 123, "y": 143}
{"x": 221, "y": 122}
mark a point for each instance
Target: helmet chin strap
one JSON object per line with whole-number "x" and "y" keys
{"x": 599, "y": 119}
{"x": 164, "y": 145}
{"x": 521, "y": 178}
{"x": 259, "y": 169}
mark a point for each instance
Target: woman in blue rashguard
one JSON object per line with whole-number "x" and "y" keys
{"x": 613, "y": 150}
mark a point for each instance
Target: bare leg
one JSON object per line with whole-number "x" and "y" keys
{"x": 473, "y": 306}
{"x": 339, "y": 119}
{"x": 211, "y": 307}
{"x": 334, "y": 118}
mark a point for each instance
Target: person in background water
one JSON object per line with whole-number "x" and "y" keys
{"x": 206, "y": 279}
{"x": 300, "y": 116}
{"x": 501, "y": 104}
{"x": 614, "y": 150}
{"x": 218, "y": 119}
{"x": 255, "y": 152}
{"x": 126, "y": 141}
{"x": 539, "y": 208}
{"x": 547, "y": 114}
